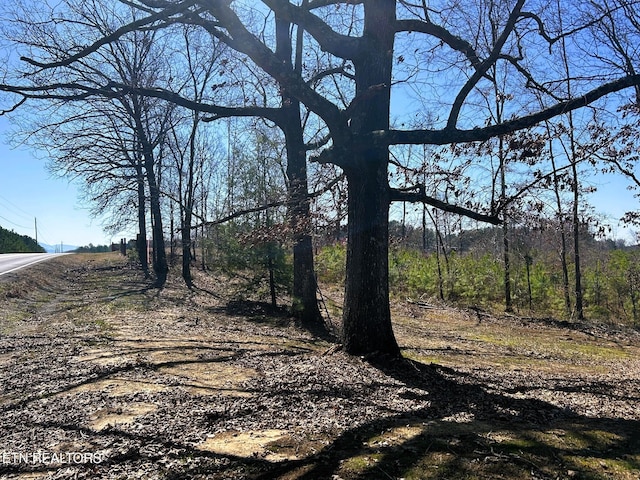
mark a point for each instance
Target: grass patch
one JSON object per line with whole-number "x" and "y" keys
{"x": 477, "y": 450}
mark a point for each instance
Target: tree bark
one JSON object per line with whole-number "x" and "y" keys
{"x": 136, "y": 111}
{"x": 305, "y": 303}
{"x": 160, "y": 266}
{"x": 505, "y": 230}
{"x": 141, "y": 241}
{"x": 186, "y": 249}
{"x": 366, "y": 325}
{"x": 367, "y": 317}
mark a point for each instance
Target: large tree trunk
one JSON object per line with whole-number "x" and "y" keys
{"x": 367, "y": 317}
{"x": 305, "y": 303}
{"x": 366, "y": 325}
{"x": 141, "y": 241}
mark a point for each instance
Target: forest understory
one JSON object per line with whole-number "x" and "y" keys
{"x": 102, "y": 376}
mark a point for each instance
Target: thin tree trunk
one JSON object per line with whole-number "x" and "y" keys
{"x": 528, "y": 262}
{"x": 203, "y": 214}
{"x": 439, "y": 265}
{"x": 576, "y": 191}
{"x": 505, "y": 228}
{"x": 304, "y": 303}
{"x": 172, "y": 226}
{"x": 272, "y": 279}
{"x": 424, "y": 228}
{"x": 633, "y": 294}
{"x": 576, "y": 244}
{"x": 508, "y": 306}
{"x": 563, "y": 234}
{"x": 439, "y": 246}
{"x": 187, "y": 208}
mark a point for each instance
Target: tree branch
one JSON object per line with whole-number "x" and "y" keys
{"x": 453, "y": 135}
{"x": 163, "y": 15}
{"x": 456, "y": 43}
{"x": 342, "y": 46}
{"x": 325, "y": 3}
{"x": 420, "y": 196}
{"x": 15, "y": 106}
{"x": 241, "y": 40}
{"x": 482, "y": 69}
{"x": 116, "y": 90}
{"x": 261, "y": 208}
{"x": 318, "y": 143}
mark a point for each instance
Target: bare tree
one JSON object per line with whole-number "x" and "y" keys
{"x": 361, "y": 133}
{"x": 108, "y": 141}
{"x": 189, "y": 144}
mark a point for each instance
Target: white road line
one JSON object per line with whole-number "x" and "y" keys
{"x": 26, "y": 265}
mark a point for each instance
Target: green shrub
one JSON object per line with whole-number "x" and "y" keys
{"x": 233, "y": 253}
{"x": 331, "y": 263}
{"x": 611, "y": 284}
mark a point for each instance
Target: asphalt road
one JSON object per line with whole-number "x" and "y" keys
{"x": 10, "y": 262}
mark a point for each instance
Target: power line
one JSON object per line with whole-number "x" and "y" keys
{"x": 40, "y": 230}
{"x": 15, "y": 207}
{"x": 43, "y": 234}
{"x": 13, "y": 223}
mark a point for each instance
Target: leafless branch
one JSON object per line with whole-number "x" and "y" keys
{"x": 453, "y": 135}
{"x": 420, "y": 196}
{"x": 168, "y": 12}
{"x": 482, "y": 68}
{"x": 262, "y": 208}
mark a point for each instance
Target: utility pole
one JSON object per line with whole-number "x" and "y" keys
{"x": 36, "y": 225}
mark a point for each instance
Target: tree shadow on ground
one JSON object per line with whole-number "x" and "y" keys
{"x": 260, "y": 312}
{"x": 277, "y": 316}
{"x": 468, "y": 430}
{"x": 471, "y": 432}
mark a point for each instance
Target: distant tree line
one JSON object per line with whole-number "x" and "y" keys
{"x": 11, "y": 242}
{"x": 91, "y": 248}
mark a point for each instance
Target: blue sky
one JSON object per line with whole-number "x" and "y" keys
{"x": 28, "y": 191}
{"x": 612, "y": 200}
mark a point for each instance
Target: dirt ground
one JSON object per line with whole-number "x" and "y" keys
{"x": 102, "y": 376}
